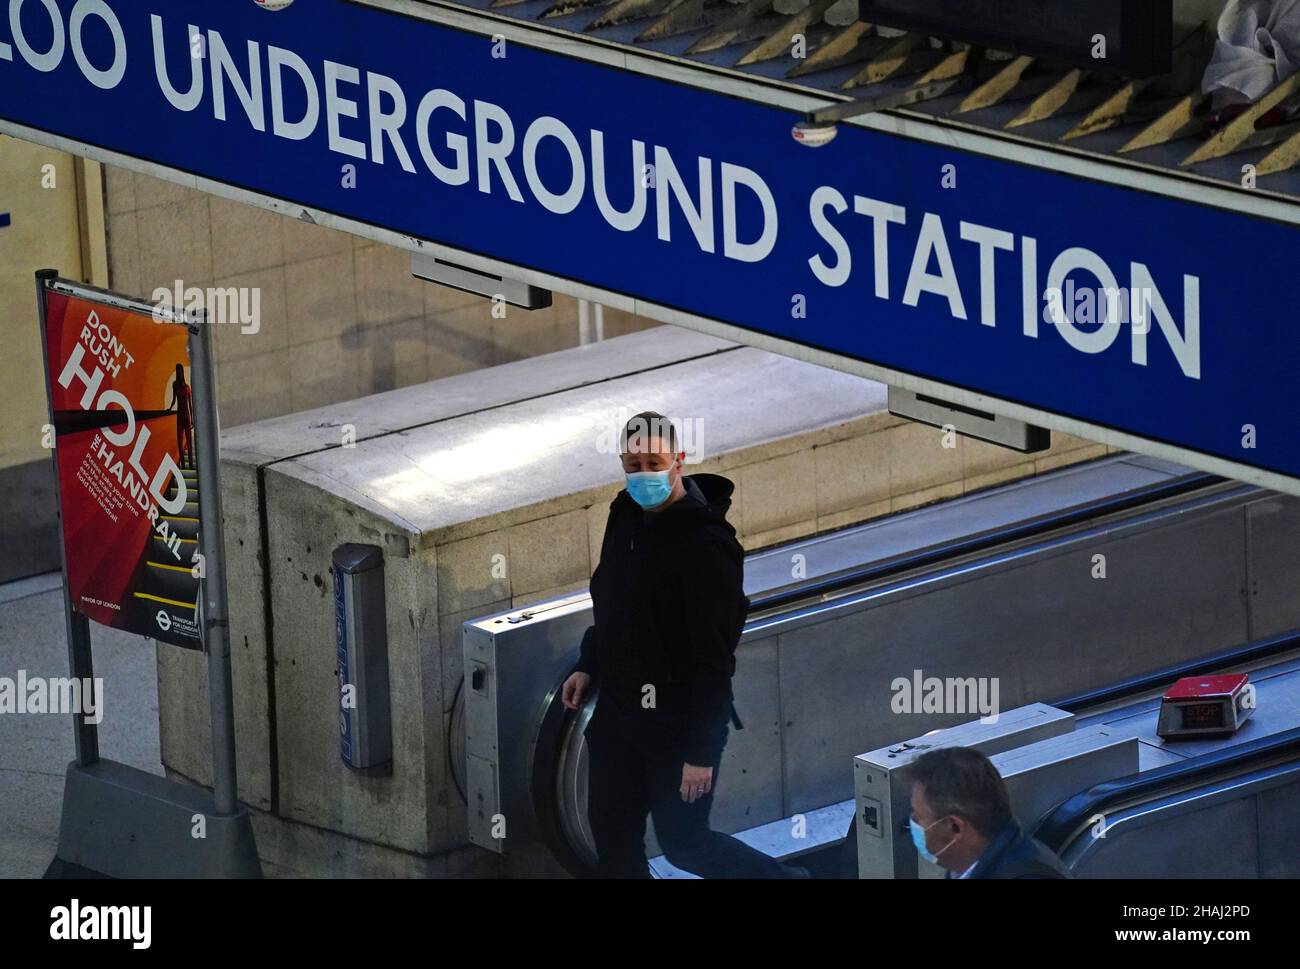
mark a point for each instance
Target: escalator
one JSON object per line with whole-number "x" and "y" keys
{"x": 834, "y": 617}
{"x": 1224, "y": 807}
{"x": 1176, "y": 777}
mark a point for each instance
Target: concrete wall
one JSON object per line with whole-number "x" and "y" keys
{"x": 489, "y": 491}
{"x": 50, "y": 216}
{"x": 341, "y": 317}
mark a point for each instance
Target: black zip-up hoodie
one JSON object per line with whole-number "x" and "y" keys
{"x": 669, "y": 605}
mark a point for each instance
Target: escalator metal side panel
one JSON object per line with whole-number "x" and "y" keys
{"x": 510, "y": 678}
{"x": 1016, "y": 503}
{"x": 1233, "y": 828}
{"x": 1274, "y": 561}
{"x": 1037, "y": 626}
{"x": 1230, "y": 799}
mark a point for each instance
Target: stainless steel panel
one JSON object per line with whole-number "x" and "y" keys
{"x": 1219, "y": 840}
{"x": 883, "y": 795}
{"x": 1017, "y": 435}
{"x": 491, "y": 285}
{"x": 1279, "y": 832}
{"x": 1273, "y": 524}
{"x": 924, "y": 528}
{"x": 1277, "y": 699}
{"x": 1039, "y": 627}
{"x": 522, "y": 657}
{"x": 484, "y": 808}
{"x": 1041, "y": 775}
{"x": 750, "y": 779}
{"x": 1231, "y": 827}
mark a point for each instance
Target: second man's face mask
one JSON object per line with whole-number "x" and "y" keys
{"x": 918, "y": 839}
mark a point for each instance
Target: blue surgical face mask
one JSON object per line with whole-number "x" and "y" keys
{"x": 649, "y": 488}
{"x": 918, "y": 839}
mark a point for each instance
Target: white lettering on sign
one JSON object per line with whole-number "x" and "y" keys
{"x": 932, "y": 272}
{"x": 99, "y": 353}
{"x": 917, "y": 260}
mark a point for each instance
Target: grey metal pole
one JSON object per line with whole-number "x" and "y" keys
{"x": 212, "y": 585}
{"x": 85, "y": 735}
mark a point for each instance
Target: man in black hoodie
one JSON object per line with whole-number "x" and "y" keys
{"x": 668, "y": 607}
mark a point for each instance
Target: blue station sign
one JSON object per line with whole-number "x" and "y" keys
{"x": 1152, "y": 316}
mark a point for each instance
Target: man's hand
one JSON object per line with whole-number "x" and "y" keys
{"x": 575, "y": 690}
{"x": 696, "y": 782}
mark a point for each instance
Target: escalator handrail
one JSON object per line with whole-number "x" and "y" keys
{"x": 1060, "y": 826}
{"x": 898, "y": 565}
{"x": 1201, "y": 666}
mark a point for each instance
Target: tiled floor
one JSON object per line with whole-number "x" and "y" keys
{"x": 35, "y": 748}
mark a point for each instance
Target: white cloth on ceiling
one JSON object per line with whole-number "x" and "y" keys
{"x": 1258, "y": 47}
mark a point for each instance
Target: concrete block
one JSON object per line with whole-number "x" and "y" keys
{"x": 302, "y": 241}
{"x": 320, "y": 372}
{"x": 549, "y": 552}
{"x": 151, "y": 192}
{"x": 918, "y": 459}
{"x": 290, "y": 850}
{"x": 779, "y": 492}
{"x": 390, "y": 293}
{"x": 926, "y": 496}
{"x": 124, "y": 253}
{"x": 981, "y": 458}
{"x": 776, "y": 536}
{"x": 597, "y": 518}
{"x": 1000, "y": 476}
{"x": 323, "y": 300}
{"x": 393, "y": 355}
{"x": 316, "y": 787}
{"x": 542, "y": 595}
{"x": 850, "y": 473}
{"x": 182, "y": 674}
{"x": 119, "y": 190}
{"x": 1072, "y": 456}
{"x": 474, "y": 572}
{"x": 853, "y": 516}
{"x": 236, "y": 341}
{"x": 245, "y": 238}
{"x": 253, "y": 387}
{"x": 175, "y": 243}
{"x": 446, "y": 399}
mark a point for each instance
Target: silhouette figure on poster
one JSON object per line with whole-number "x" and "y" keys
{"x": 183, "y": 403}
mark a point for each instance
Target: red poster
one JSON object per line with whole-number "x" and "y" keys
{"x": 124, "y": 445}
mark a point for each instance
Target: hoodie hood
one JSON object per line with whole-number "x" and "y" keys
{"x": 716, "y": 489}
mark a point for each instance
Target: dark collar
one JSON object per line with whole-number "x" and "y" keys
{"x": 692, "y": 496}
{"x": 1008, "y": 836}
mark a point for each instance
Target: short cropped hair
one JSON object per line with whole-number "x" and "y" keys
{"x": 963, "y": 782}
{"x": 651, "y": 424}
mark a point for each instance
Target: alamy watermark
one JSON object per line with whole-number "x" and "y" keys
{"x": 951, "y": 694}
{"x": 225, "y": 305}
{"x": 60, "y": 694}
{"x": 75, "y": 922}
{"x": 1100, "y": 305}
{"x": 646, "y": 432}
